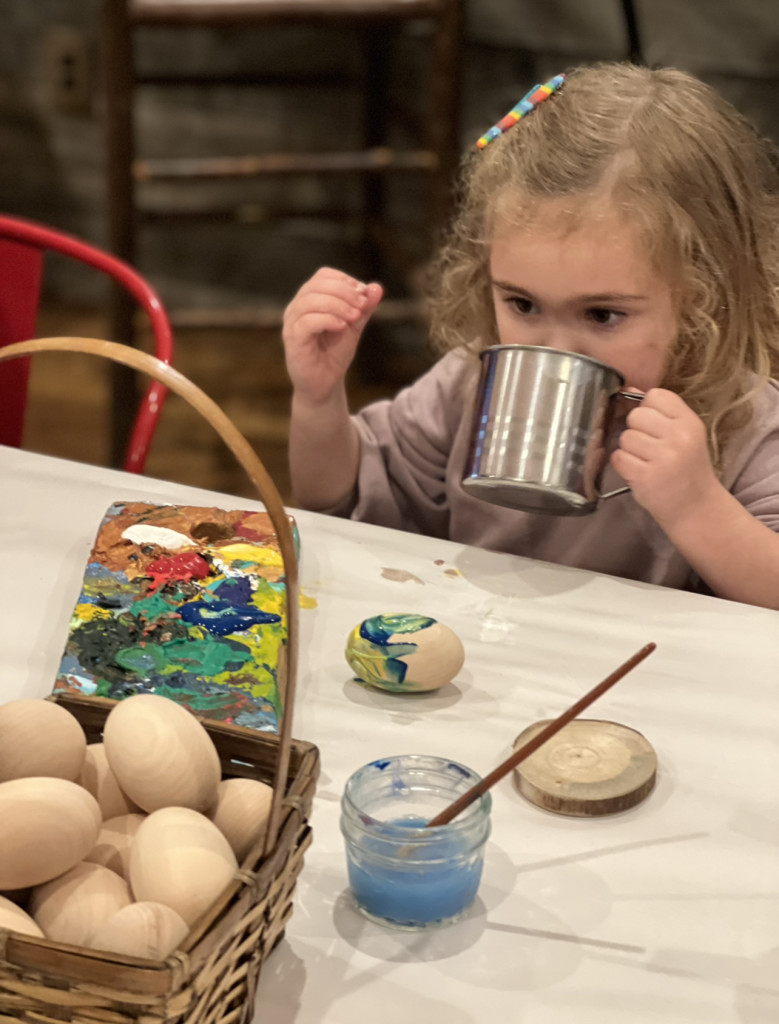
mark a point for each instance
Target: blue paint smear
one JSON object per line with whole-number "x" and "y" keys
{"x": 236, "y": 591}
{"x": 222, "y": 617}
{"x": 70, "y": 665}
{"x": 86, "y": 686}
{"x": 258, "y": 719}
{"x": 381, "y": 765}
{"x": 380, "y": 628}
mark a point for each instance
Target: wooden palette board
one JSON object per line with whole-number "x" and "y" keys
{"x": 187, "y": 603}
{"x": 588, "y": 769}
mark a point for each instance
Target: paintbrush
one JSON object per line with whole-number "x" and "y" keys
{"x": 450, "y": 812}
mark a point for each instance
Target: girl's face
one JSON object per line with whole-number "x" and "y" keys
{"x": 590, "y": 289}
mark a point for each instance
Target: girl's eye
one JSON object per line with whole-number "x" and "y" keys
{"x": 605, "y": 317}
{"x": 521, "y": 305}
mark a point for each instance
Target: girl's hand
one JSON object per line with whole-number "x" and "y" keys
{"x": 322, "y": 326}
{"x": 664, "y": 458}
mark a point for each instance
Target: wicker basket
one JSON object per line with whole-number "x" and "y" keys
{"x": 211, "y": 978}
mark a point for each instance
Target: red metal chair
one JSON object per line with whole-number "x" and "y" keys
{"x": 22, "y": 248}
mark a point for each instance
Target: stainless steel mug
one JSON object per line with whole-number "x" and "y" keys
{"x": 539, "y": 430}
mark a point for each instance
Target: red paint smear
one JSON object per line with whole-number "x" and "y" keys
{"x": 229, "y": 711}
{"x": 187, "y": 565}
{"x": 238, "y": 704}
{"x": 247, "y": 533}
{"x": 157, "y": 626}
{"x": 69, "y": 684}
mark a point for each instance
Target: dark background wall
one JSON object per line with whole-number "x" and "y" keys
{"x": 52, "y": 165}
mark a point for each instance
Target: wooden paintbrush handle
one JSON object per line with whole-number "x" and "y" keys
{"x": 450, "y": 812}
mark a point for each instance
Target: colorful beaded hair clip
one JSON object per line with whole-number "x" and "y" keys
{"x": 528, "y": 102}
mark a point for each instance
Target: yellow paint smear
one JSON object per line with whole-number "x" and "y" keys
{"x": 249, "y": 553}
{"x": 88, "y": 612}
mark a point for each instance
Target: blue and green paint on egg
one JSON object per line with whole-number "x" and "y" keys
{"x": 404, "y": 653}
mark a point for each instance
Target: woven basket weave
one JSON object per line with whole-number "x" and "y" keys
{"x": 212, "y": 977}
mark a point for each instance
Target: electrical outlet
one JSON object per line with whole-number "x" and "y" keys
{"x": 68, "y": 70}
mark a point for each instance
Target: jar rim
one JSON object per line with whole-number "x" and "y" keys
{"x": 419, "y": 834}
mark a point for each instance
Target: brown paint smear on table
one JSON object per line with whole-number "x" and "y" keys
{"x": 447, "y": 572}
{"x": 400, "y": 576}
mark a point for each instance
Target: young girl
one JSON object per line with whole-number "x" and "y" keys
{"x": 629, "y": 215}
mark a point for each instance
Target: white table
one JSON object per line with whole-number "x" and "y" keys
{"x": 668, "y": 912}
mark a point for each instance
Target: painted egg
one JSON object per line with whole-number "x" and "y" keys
{"x": 146, "y": 929}
{"x": 181, "y": 859}
{"x": 161, "y": 754}
{"x": 97, "y": 778}
{"x": 48, "y": 825}
{"x": 74, "y": 906}
{"x": 241, "y": 812}
{"x": 404, "y": 653}
{"x": 39, "y": 738}
{"x": 114, "y": 842}
{"x": 15, "y": 919}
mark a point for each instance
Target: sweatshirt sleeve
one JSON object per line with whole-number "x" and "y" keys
{"x": 405, "y": 444}
{"x": 755, "y": 471}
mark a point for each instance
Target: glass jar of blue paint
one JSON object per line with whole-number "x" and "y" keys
{"x": 401, "y": 873}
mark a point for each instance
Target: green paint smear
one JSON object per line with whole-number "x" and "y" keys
{"x": 153, "y": 606}
{"x": 103, "y": 687}
{"x": 204, "y": 655}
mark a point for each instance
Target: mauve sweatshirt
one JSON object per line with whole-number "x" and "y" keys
{"x": 412, "y": 459}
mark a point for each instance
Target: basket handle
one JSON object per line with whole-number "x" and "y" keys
{"x": 258, "y": 475}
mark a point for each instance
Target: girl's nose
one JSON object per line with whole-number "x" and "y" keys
{"x": 564, "y": 340}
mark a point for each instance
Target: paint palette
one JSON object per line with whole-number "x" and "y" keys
{"x": 187, "y": 603}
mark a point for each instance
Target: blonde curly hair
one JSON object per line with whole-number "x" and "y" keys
{"x": 685, "y": 166}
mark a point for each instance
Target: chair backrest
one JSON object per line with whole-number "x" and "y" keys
{"x": 22, "y": 247}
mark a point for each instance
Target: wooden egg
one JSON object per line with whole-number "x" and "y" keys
{"x": 241, "y": 812}
{"x": 46, "y": 826}
{"x": 39, "y": 738}
{"x": 181, "y": 859}
{"x": 97, "y": 778}
{"x": 404, "y": 653}
{"x": 14, "y": 918}
{"x": 114, "y": 842}
{"x": 74, "y": 906}
{"x": 161, "y": 754}
{"x": 141, "y": 929}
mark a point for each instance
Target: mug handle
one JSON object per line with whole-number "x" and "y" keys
{"x": 634, "y": 396}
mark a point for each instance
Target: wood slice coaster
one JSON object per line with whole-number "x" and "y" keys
{"x": 588, "y": 768}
